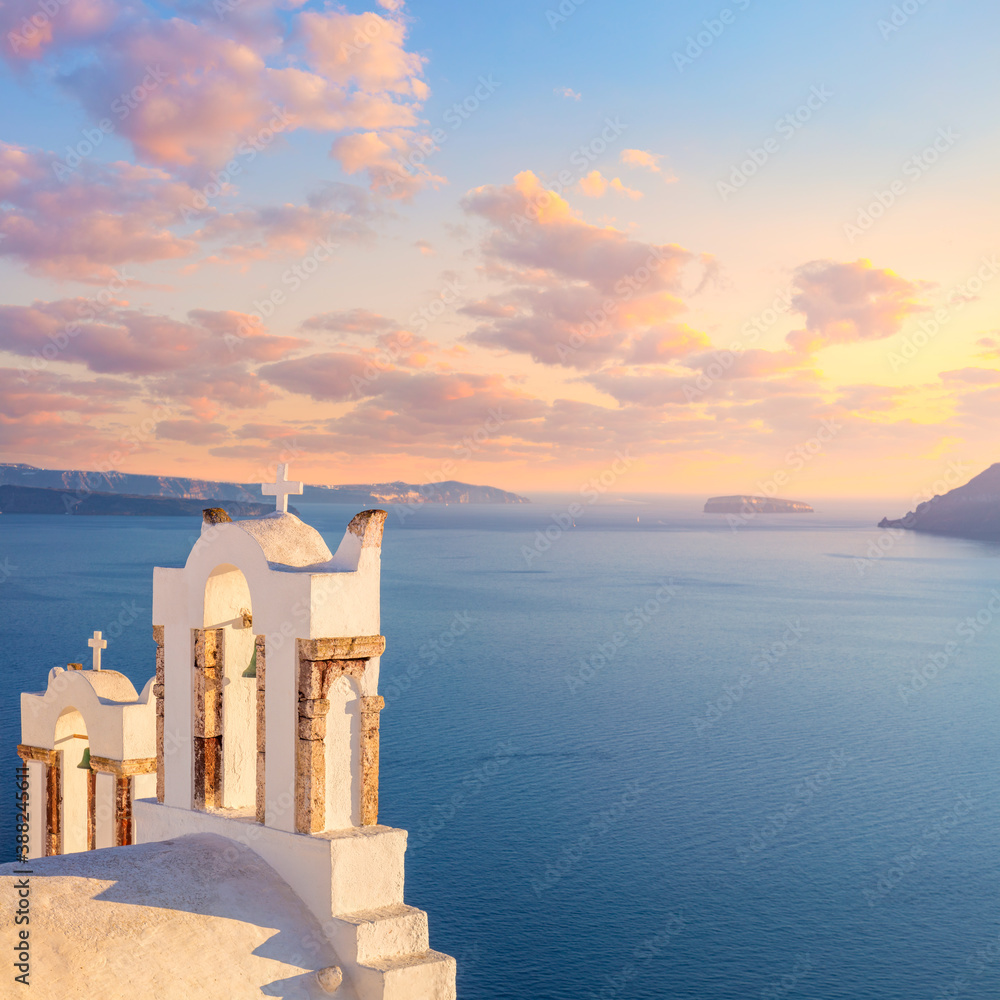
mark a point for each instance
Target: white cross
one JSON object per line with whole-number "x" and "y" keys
{"x": 280, "y": 489}
{"x": 97, "y": 644}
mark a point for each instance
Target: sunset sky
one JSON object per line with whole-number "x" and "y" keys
{"x": 503, "y": 243}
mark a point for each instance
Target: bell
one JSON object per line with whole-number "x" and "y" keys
{"x": 251, "y": 671}
{"x": 84, "y": 764}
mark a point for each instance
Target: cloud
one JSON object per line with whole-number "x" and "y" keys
{"x": 972, "y": 376}
{"x": 339, "y": 213}
{"x": 29, "y": 29}
{"x": 567, "y": 92}
{"x": 118, "y": 340}
{"x": 192, "y": 90}
{"x": 646, "y": 161}
{"x": 579, "y": 295}
{"x": 101, "y": 217}
{"x": 424, "y": 247}
{"x": 195, "y": 432}
{"x": 991, "y": 347}
{"x": 848, "y": 302}
{"x": 392, "y": 160}
{"x": 206, "y": 392}
{"x": 328, "y": 377}
{"x": 350, "y": 321}
{"x": 596, "y": 185}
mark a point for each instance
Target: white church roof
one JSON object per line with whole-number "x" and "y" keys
{"x": 199, "y": 916}
{"x": 287, "y": 541}
{"x": 110, "y": 685}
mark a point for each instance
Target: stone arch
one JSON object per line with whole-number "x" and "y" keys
{"x": 77, "y": 786}
{"x": 228, "y": 677}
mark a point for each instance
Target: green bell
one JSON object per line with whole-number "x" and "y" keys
{"x": 84, "y": 764}
{"x": 251, "y": 671}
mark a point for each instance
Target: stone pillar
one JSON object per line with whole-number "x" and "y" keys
{"x": 259, "y": 646}
{"x": 123, "y": 811}
{"x": 91, "y": 809}
{"x": 370, "y": 714}
{"x": 36, "y": 810}
{"x": 321, "y": 662}
{"x": 104, "y": 802}
{"x": 315, "y": 677}
{"x": 123, "y": 772}
{"x": 158, "y": 694}
{"x": 208, "y": 667}
{"x": 51, "y": 838}
{"x": 53, "y": 805}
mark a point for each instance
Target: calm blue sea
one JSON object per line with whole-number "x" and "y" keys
{"x": 662, "y": 759}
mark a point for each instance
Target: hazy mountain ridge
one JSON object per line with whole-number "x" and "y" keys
{"x": 50, "y": 500}
{"x": 969, "y": 511}
{"x": 179, "y": 487}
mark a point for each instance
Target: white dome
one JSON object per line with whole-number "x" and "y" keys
{"x": 286, "y": 540}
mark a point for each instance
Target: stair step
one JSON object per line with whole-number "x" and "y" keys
{"x": 387, "y": 932}
{"x": 426, "y": 975}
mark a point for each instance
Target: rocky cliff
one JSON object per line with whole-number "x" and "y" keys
{"x": 970, "y": 511}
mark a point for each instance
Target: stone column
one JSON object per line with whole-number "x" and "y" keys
{"x": 158, "y": 694}
{"x": 370, "y": 714}
{"x": 123, "y": 772}
{"x": 259, "y": 646}
{"x": 53, "y": 805}
{"x": 321, "y": 662}
{"x": 51, "y": 841}
{"x": 91, "y": 809}
{"x": 36, "y": 810}
{"x": 208, "y": 667}
{"x": 123, "y": 811}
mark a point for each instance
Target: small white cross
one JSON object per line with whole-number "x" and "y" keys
{"x": 280, "y": 489}
{"x": 97, "y": 644}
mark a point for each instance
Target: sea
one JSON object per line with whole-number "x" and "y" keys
{"x": 641, "y": 752}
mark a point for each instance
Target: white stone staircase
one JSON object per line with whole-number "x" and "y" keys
{"x": 387, "y": 955}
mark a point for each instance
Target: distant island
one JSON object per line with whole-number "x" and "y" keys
{"x": 181, "y": 488}
{"x": 40, "y": 500}
{"x": 755, "y": 505}
{"x": 970, "y": 511}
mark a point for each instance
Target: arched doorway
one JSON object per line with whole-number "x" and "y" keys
{"x": 78, "y": 782}
{"x": 226, "y": 662}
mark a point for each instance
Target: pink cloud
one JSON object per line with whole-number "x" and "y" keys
{"x": 193, "y": 91}
{"x": 350, "y": 321}
{"x": 581, "y": 295}
{"x": 126, "y": 341}
{"x": 973, "y": 376}
{"x": 101, "y": 217}
{"x": 29, "y": 30}
{"x": 328, "y": 377}
{"x": 848, "y": 302}
{"x": 196, "y": 432}
{"x": 394, "y": 161}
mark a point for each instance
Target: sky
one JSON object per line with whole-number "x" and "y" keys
{"x": 664, "y": 247}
